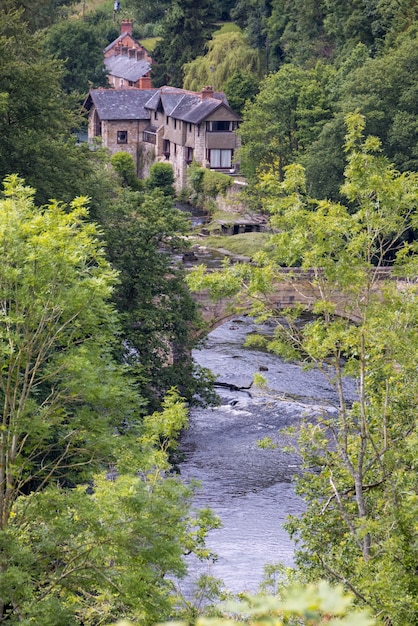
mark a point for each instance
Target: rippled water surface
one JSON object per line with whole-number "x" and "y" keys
{"x": 250, "y": 488}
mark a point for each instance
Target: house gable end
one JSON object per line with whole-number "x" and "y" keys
{"x": 222, "y": 112}
{"x": 125, "y": 39}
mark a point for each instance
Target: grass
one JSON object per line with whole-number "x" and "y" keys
{"x": 246, "y": 244}
{"x": 89, "y": 6}
{"x": 227, "y": 27}
{"x": 226, "y": 216}
{"x": 150, "y": 43}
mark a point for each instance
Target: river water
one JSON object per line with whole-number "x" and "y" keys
{"x": 250, "y": 488}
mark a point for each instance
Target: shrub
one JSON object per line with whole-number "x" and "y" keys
{"x": 215, "y": 183}
{"x": 161, "y": 176}
{"x": 124, "y": 165}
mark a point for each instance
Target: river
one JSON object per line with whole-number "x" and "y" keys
{"x": 250, "y": 488}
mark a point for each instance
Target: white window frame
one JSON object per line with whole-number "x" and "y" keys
{"x": 220, "y": 159}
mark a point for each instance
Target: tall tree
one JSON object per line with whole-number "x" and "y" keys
{"x": 384, "y": 89}
{"x": 79, "y": 545}
{"x": 160, "y": 322}
{"x": 296, "y": 33}
{"x": 239, "y": 89}
{"x": 36, "y": 118}
{"x": 79, "y": 45}
{"x": 360, "y": 482}
{"x": 286, "y": 115}
{"x": 252, "y": 15}
{"x": 185, "y": 29}
{"x": 39, "y": 14}
{"x": 228, "y": 53}
{"x": 54, "y": 284}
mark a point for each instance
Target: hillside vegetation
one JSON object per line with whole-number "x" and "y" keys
{"x": 98, "y": 323}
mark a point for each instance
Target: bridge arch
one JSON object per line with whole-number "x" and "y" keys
{"x": 285, "y": 295}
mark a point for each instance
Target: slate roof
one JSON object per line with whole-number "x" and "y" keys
{"x": 127, "y": 68}
{"x": 134, "y": 104}
{"x": 120, "y": 104}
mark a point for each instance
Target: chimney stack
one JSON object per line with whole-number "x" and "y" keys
{"x": 207, "y": 92}
{"x": 145, "y": 82}
{"x": 126, "y": 27}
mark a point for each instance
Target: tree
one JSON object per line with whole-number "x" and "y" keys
{"x": 360, "y": 481}
{"x": 239, "y": 89}
{"x": 251, "y": 16}
{"x": 36, "y": 118}
{"x": 38, "y": 14}
{"x": 296, "y": 33}
{"x": 286, "y": 115}
{"x": 79, "y": 545}
{"x": 148, "y": 14}
{"x": 79, "y": 45}
{"x": 160, "y": 321}
{"x": 228, "y": 53}
{"x": 310, "y": 605}
{"x": 161, "y": 176}
{"x": 124, "y": 165}
{"x": 54, "y": 286}
{"x": 383, "y": 89}
{"x": 185, "y": 30}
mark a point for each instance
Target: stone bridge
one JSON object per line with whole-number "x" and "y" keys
{"x": 297, "y": 287}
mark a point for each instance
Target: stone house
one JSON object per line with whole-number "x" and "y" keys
{"x": 127, "y": 62}
{"x": 166, "y": 124}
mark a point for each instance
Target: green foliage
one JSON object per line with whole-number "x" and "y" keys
{"x": 259, "y": 380}
{"x": 159, "y": 317}
{"x": 360, "y": 480}
{"x": 296, "y": 33}
{"x": 206, "y": 184}
{"x": 37, "y": 118}
{"x": 161, "y": 176}
{"x": 94, "y": 554}
{"x": 215, "y": 183}
{"x": 252, "y": 17}
{"x": 239, "y": 89}
{"x": 367, "y": 56}
{"x": 79, "y": 45}
{"x": 383, "y": 89}
{"x": 286, "y": 115}
{"x": 39, "y": 14}
{"x": 185, "y": 29}
{"x": 51, "y": 354}
{"x": 77, "y": 545}
{"x": 147, "y": 15}
{"x": 312, "y": 605}
{"x": 124, "y": 165}
{"x": 228, "y": 53}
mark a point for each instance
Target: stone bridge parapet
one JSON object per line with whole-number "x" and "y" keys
{"x": 297, "y": 287}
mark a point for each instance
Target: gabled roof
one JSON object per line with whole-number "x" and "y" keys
{"x": 127, "y": 68}
{"x": 135, "y": 104}
{"x": 120, "y": 104}
{"x": 120, "y": 38}
{"x": 188, "y": 106}
{"x": 193, "y": 109}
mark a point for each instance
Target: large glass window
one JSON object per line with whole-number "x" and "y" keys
{"x": 220, "y": 159}
{"x": 220, "y": 126}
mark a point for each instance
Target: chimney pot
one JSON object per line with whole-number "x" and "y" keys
{"x": 126, "y": 27}
{"x": 207, "y": 92}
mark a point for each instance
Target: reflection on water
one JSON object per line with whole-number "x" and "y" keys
{"x": 250, "y": 488}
